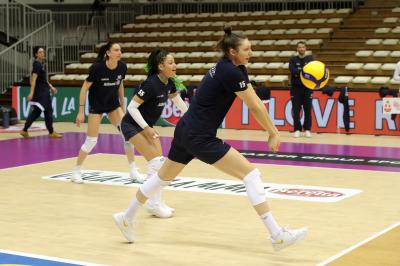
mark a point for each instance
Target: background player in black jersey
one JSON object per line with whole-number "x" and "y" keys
{"x": 106, "y": 95}
{"x": 39, "y": 96}
{"x": 300, "y": 95}
{"x": 195, "y": 136}
{"x": 143, "y": 112}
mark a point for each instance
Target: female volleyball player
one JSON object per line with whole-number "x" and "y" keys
{"x": 39, "y": 96}
{"x": 195, "y": 136}
{"x": 143, "y": 112}
{"x": 106, "y": 95}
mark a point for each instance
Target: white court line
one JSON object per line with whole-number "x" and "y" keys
{"x": 344, "y": 252}
{"x": 29, "y": 255}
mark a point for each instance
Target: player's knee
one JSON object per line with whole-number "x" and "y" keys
{"x": 155, "y": 164}
{"x": 128, "y": 145}
{"x": 89, "y": 144}
{"x": 254, "y": 187}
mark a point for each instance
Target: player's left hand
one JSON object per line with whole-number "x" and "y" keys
{"x": 274, "y": 142}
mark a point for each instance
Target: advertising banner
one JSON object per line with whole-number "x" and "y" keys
{"x": 366, "y": 111}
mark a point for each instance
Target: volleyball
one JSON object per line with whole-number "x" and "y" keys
{"x": 315, "y": 75}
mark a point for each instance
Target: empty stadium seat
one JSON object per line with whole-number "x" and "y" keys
{"x": 261, "y": 78}
{"x": 343, "y": 79}
{"x": 257, "y": 65}
{"x": 390, "y": 20}
{"x": 278, "y": 78}
{"x": 328, "y": 11}
{"x": 381, "y": 53}
{"x": 274, "y": 65}
{"x": 380, "y": 80}
{"x": 286, "y": 53}
{"x": 389, "y": 66}
{"x": 371, "y": 66}
{"x": 390, "y": 41}
{"x": 373, "y": 41}
{"x": 383, "y": 30}
{"x": 364, "y": 53}
{"x": 313, "y": 11}
{"x": 361, "y": 80}
{"x": 271, "y": 53}
{"x": 395, "y": 54}
{"x": 354, "y": 66}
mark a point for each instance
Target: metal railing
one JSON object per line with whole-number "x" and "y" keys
{"x": 16, "y": 60}
{"x": 18, "y": 19}
{"x": 28, "y": 27}
{"x": 83, "y": 22}
{"x": 213, "y": 6}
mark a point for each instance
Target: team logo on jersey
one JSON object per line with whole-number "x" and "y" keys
{"x": 141, "y": 92}
{"x": 119, "y": 77}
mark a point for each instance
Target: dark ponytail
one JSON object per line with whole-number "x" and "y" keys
{"x": 103, "y": 51}
{"x": 230, "y": 40}
{"x": 156, "y": 57}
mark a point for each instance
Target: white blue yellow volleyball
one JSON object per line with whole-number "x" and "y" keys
{"x": 315, "y": 75}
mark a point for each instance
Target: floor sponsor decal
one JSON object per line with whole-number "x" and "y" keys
{"x": 220, "y": 186}
{"x": 321, "y": 158}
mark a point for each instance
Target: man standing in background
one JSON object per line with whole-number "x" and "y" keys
{"x": 300, "y": 95}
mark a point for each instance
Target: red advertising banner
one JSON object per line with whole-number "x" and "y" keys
{"x": 366, "y": 114}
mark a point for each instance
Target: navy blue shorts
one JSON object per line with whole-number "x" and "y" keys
{"x": 186, "y": 145}
{"x": 103, "y": 110}
{"x": 129, "y": 129}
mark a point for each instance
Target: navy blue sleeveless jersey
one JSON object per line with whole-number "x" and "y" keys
{"x": 154, "y": 94}
{"x": 103, "y": 94}
{"x": 214, "y": 96}
{"x": 41, "y": 93}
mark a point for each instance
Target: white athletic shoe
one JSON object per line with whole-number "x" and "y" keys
{"x": 287, "y": 237}
{"x": 167, "y": 207}
{"x": 160, "y": 210}
{"x": 124, "y": 225}
{"x": 76, "y": 177}
{"x": 296, "y": 134}
{"x": 136, "y": 175}
{"x": 308, "y": 134}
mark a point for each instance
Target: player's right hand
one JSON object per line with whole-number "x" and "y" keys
{"x": 80, "y": 118}
{"x": 150, "y": 134}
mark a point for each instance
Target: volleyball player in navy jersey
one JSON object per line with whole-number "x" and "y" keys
{"x": 143, "y": 112}
{"x": 195, "y": 136}
{"x": 106, "y": 95}
{"x": 39, "y": 96}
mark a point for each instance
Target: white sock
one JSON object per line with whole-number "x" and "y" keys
{"x": 132, "y": 166}
{"x": 78, "y": 168}
{"x": 156, "y": 198}
{"x": 153, "y": 185}
{"x": 132, "y": 209}
{"x": 269, "y": 222}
